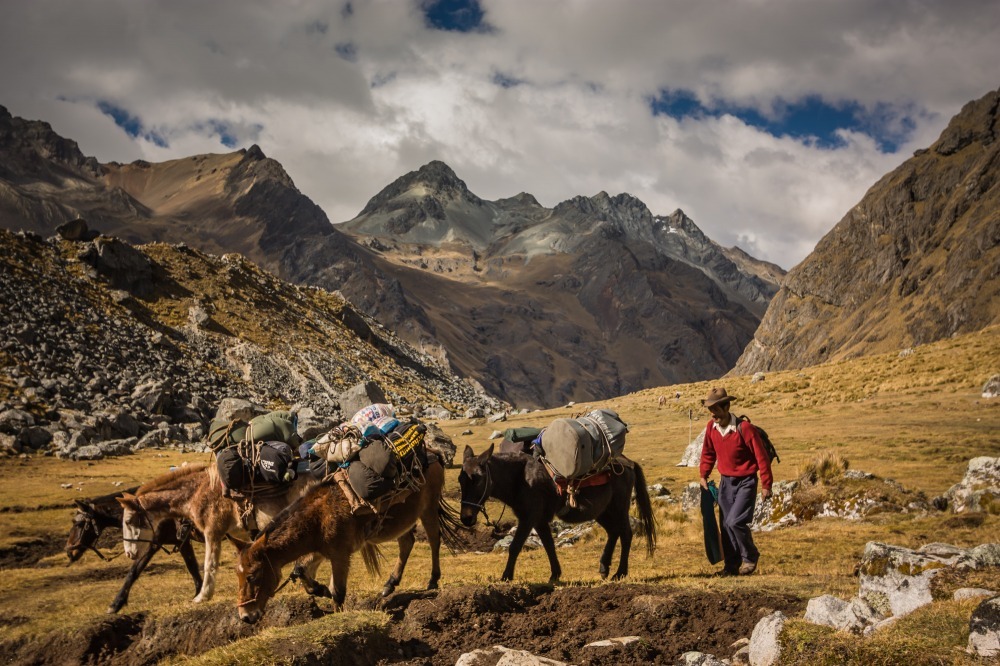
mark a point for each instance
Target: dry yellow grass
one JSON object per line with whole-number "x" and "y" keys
{"x": 915, "y": 418}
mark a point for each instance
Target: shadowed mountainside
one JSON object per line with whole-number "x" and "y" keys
{"x": 917, "y": 260}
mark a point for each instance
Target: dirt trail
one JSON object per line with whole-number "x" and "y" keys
{"x": 437, "y": 627}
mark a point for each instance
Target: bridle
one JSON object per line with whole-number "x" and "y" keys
{"x": 291, "y": 576}
{"x": 481, "y": 504}
{"x": 90, "y": 523}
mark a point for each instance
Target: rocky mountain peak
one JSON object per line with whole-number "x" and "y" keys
{"x": 30, "y": 148}
{"x": 977, "y": 122}
{"x": 433, "y": 181}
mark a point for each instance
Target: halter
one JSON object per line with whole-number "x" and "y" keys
{"x": 91, "y": 523}
{"x": 481, "y": 505}
{"x": 291, "y": 576}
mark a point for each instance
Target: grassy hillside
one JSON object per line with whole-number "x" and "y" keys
{"x": 916, "y": 417}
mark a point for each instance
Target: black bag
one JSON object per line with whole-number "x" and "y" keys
{"x": 772, "y": 453}
{"x": 367, "y": 483}
{"x": 233, "y": 470}
{"x": 274, "y": 463}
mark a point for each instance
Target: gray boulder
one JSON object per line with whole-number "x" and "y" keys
{"x": 853, "y": 616}
{"x": 122, "y": 265}
{"x": 896, "y": 581}
{"x": 984, "y": 629}
{"x": 699, "y": 659}
{"x": 979, "y": 488}
{"x": 692, "y": 454}
{"x": 437, "y": 441}
{"x": 76, "y": 230}
{"x": 498, "y": 655}
{"x": 13, "y": 421}
{"x": 991, "y": 389}
{"x": 360, "y": 396}
{"x": 765, "y": 649}
{"x": 230, "y": 409}
{"x": 89, "y": 452}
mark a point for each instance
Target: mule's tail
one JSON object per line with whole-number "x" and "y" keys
{"x": 451, "y": 525}
{"x": 372, "y": 556}
{"x": 646, "y": 517}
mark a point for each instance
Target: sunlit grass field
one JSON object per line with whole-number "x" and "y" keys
{"x": 916, "y": 417}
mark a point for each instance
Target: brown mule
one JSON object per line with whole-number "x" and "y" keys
{"x": 195, "y": 493}
{"x": 322, "y": 522}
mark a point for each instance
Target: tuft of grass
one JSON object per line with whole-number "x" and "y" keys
{"x": 828, "y": 467}
{"x": 316, "y": 638}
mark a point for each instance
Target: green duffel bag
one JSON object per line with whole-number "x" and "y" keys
{"x": 223, "y": 433}
{"x": 279, "y": 426}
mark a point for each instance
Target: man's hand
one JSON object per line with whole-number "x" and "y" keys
{"x": 704, "y": 483}
{"x": 766, "y": 494}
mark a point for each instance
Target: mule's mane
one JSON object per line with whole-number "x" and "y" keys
{"x": 169, "y": 477}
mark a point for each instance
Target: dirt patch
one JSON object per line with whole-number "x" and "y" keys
{"x": 29, "y": 552}
{"x": 559, "y": 622}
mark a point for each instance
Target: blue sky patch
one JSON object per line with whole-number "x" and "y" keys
{"x": 810, "y": 119}
{"x": 504, "y": 81}
{"x": 227, "y": 137}
{"x": 131, "y": 124}
{"x": 347, "y": 51}
{"x": 455, "y": 15}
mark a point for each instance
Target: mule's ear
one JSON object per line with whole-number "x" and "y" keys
{"x": 468, "y": 453}
{"x": 83, "y": 506}
{"x": 240, "y": 544}
{"x": 128, "y": 500}
{"x": 488, "y": 452}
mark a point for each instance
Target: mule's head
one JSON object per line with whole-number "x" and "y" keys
{"x": 474, "y": 480}
{"x": 256, "y": 579}
{"x": 85, "y": 531}
{"x": 137, "y": 528}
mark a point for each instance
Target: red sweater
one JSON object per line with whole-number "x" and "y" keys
{"x": 735, "y": 456}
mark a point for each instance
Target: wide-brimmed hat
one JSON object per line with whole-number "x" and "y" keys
{"x": 717, "y": 396}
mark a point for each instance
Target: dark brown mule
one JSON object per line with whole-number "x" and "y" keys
{"x": 93, "y": 516}
{"x": 322, "y": 522}
{"x": 522, "y": 483}
{"x": 195, "y": 493}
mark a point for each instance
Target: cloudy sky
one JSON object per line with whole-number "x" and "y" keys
{"x": 764, "y": 120}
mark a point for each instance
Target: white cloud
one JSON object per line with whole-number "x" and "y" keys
{"x": 275, "y": 74}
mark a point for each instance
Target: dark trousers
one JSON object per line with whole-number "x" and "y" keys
{"x": 737, "y": 499}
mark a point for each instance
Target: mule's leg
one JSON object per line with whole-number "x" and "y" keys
{"x": 619, "y": 529}
{"x": 611, "y": 530}
{"x": 191, "y": 562}
{"x": 305, "y": 572}
{"x": 341, "y": 564}
{"x": 213, "y": 550}
{"x": 405, "y": 541}
{"x": 545, "y": 536}
{"x": 137, "y": 568}
{"x": 432, "y": 526}
{"x": 520, "y": 536}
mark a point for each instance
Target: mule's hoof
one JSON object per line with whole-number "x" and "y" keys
{"x": 113, "y": 610}
{"x": 387, "y": 590}
{"x": 432, "y": 585}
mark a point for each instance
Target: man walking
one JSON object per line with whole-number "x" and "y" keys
{"x": 736, "y": 449}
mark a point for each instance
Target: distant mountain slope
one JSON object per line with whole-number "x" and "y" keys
{"x": 595, "y": 297}
{"x": 916, "y": 260}
{"x": 540, "y": 306}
